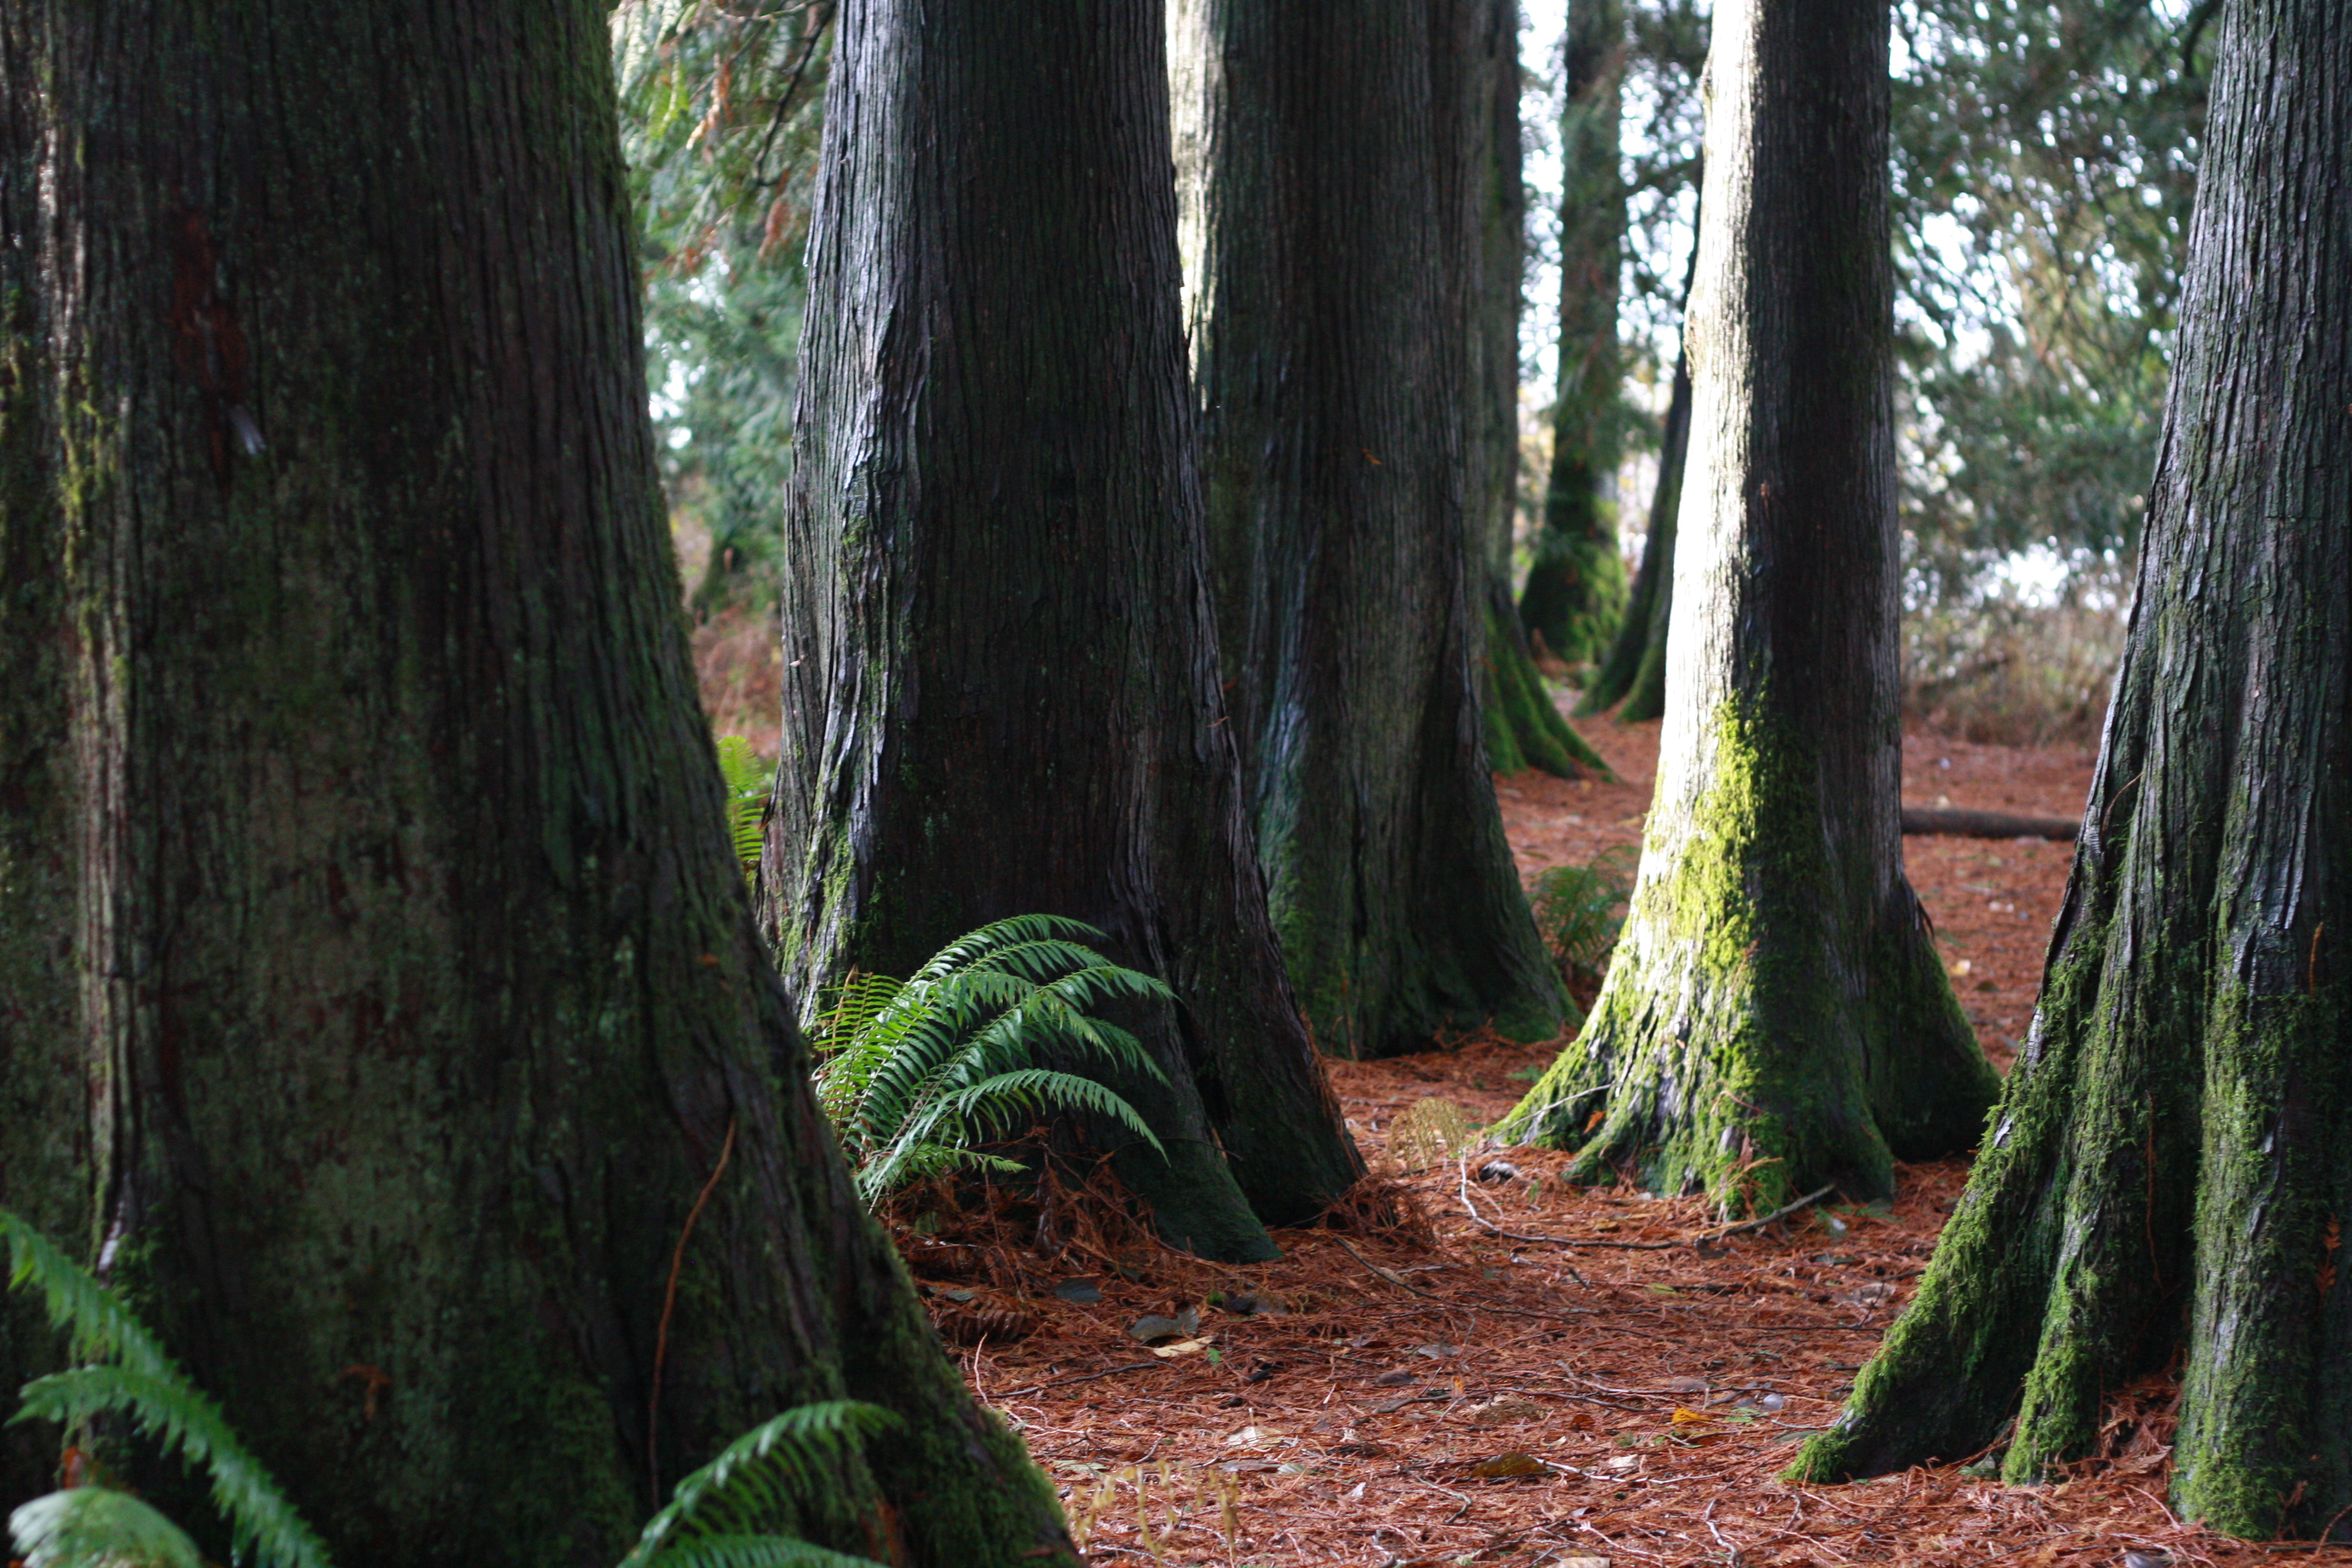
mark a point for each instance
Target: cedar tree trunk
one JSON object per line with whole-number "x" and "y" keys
{"x": 418, "y": 1001}
{"x": 1524, "y": 727}
{"x": 1775, "y": 1015}
{"x": 1635, "y": 669}
{"x": 2167, "y": 1171}
{"x": 1003, "y": 685}
{"x": 1328, "y": 305}
{"x": 1575, "y": 592}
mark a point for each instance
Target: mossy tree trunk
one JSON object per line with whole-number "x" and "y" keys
{"x": 1575, "y": 592}
{"x": 1523, "y": 726}
{"x": 418, "y": 997}
{"x": 1327, "y": 303}
{"x": 2166, "y": 1175}
{"x": 1775, "y": 1015}
{"x": 1002, "y": 689}
{"x": 44, "y": 1120}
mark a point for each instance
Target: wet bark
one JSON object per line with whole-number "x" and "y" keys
{"x": 1002, "y": 692}
{"x": 2167, "y": 1170}
{"x": 417, "y": 996}
{"x": 1775, "y": 1015}
{"x": 1575, "y": 593}
{"x": 1327, "y": 303}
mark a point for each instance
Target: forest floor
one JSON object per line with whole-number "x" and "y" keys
{"x": 1509, "y": 1369}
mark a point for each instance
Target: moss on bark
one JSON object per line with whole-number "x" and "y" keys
{"x": 2167, "y": 1172}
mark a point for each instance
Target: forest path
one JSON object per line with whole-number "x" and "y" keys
{"x": 1641, "y": 1394}
{"x": 1992, "y": 900}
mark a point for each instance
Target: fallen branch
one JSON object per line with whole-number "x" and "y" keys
{"x": 1960, "y": 823}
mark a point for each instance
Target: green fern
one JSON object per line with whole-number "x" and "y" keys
{"x": 84, "y": 1527}
{"x": 130, "y": 1374}
{"x": 713, "y": 1517}
{"x": 1576, "y": 909}
{"x": 748, "y": 782}
{"x": 916, "y": 1073}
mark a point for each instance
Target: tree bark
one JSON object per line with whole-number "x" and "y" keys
{"x": 418, "y": 1003}
{"x": 1327, "y": 312}
{"x": 1775, "y": 1015}
{"x": 1635, "y": 668}
{"x": 2165, "y": 1173}
{"x": 1002, "y": 687}
{"x": 44, "y": 1135}
{"x": 1575, "y": 593}
{"x": 1524, "y": 727}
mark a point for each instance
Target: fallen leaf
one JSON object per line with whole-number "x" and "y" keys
{"x": 1503, "y": 1466}
{"x": 1621, "y": 1462}
{"x": 1580, "y": 1561}
{"x": 1084, "y": 1292}
{"x": 1687, "y": 1384}
{"x": 1253, "y": 1437}
{"x": 1154, "y": 1327}
{"x": 1682, "y": 1418}
{"x": 1182, "y": 1347}
{"x": 1436, "y": 1351}
{"x": 1401, "y": 1375}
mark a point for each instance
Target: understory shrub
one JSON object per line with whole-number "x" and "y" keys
{"x": 1578, "y": 910}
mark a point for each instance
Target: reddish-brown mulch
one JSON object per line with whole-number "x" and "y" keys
{"x": 1452, "y": 1384}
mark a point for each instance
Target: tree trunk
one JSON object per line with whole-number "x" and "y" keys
{"x": 1524, "y": 728}
{"x": 44, "y": 1136}
{"x": 1003, "y": 686}
{"x": 1775, "y": 1015}
{"x": 419, "y": 1004}
{"x": 2167, "y": 1172}
{"x": 1575, "y": 592}
{"x": 1327, "y": 309}
{"x": 1635, "y": 668}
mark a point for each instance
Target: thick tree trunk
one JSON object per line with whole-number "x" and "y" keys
{"x": 1003, "y": 694}
{"x": 1524, "y": 728}
{"x": 1575, "y": 593}
{"x": 419, "y": 1001}
{"x": 1326, "y": 320}
{"x": 44, "y": 1131}
{"x": 1775, "y": 1015}
{"x": 2167, "y": 1172}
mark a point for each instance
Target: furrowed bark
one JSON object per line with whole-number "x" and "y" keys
{"x": 1775, "y": 1015}
{"x": 2167, "y": 1170}
{"x": 417, "y": 994}
{"x": 1326, "y": 303}
{"x": 1002, "y": 691}
{"x": 44, "y": 1133}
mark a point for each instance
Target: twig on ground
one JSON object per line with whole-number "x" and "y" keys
{"x": 1490, "y": 1226}
{"x": 1081, "y": 1377}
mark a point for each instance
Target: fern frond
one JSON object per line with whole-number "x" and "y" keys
{"x": 748, "y": 782}
{"x": 758, "y": 1471}
{"x": 96, "y": 1527}
{"x": 141, "y": 1380}
{"x": 177, "y": 1413}
{"x": 1007, "y": 933}
{"x": 755, "y": 1551}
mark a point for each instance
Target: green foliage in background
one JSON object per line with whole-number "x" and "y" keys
{"x": 721, "y": 109}
{"x": 917, "y": 1074}
{"x": 2043, "y": 168}
{"x": 1580, "y": 909}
